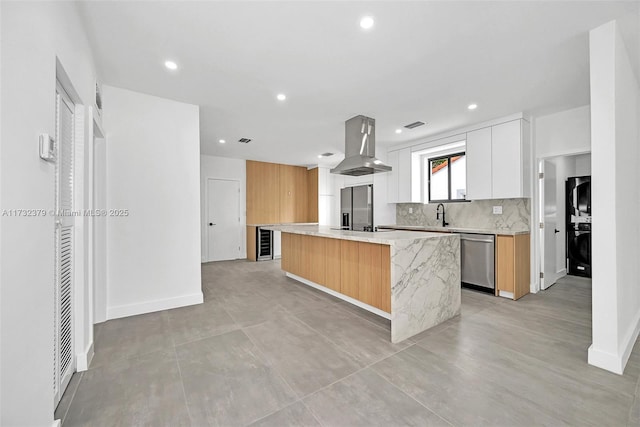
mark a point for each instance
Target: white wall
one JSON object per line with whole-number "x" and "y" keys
{"x": 566, "y": 132}
{"x": 223, "y": 168}
{"x": 615, "y": 105}
{"x": 32, "y": 36}
{"x": 583, "y": 165}
{"x": 153, "y": 170}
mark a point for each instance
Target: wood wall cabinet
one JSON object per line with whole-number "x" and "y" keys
{"x": 312, "y": 195}
{"x": 278, "y": 193}
{"x": 263, "y": 193}
{"x": 512, "y": 265}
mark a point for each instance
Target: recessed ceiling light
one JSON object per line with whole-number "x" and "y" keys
{"x": 366, "y": 22}
{"x": 171, "y": 65}
{"x": 221, "y": 141}
{"x": 472, "y": 106}
{"x": 320, "y": 156}
{"x": 398, "y": 130}
{"x": 281, "y": 97}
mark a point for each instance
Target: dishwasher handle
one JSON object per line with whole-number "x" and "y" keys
{"x": 472, "y": 239}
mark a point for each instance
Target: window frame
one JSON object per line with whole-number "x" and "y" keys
{"x": 448, "y": 158}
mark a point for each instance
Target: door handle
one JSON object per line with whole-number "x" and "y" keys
{"x": 210, "y": 224}
{"x": 556, "y": 230}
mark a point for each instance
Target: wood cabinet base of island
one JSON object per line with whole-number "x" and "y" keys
{"x": 415, "y": 284}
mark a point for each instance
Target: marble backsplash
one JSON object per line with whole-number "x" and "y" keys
{"x": 476, "y": 214}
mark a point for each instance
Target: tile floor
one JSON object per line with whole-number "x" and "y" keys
{"x": 265, "y": 350}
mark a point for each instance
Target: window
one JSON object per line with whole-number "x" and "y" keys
{"x": 447, "y": 177}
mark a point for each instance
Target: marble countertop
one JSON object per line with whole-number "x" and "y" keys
{"x": 381, "y": 237}
{"x": 449, "y": 229}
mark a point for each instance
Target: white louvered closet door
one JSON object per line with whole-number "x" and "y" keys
{"x": 64, "y": 363}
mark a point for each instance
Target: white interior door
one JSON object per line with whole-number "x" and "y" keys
{"x": 64, "y": 359}
{"x": 549, "y": 217}
{"x": 223, "y": 220}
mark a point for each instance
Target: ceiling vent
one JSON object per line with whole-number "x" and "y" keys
{"x": 326, "y": 154}
{"x": 414, "y": 125}
{"x": 244, "y": 140}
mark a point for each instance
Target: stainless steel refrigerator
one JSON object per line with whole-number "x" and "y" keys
{"x": 356, "y": 208}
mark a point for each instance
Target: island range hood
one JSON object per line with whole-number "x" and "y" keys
{"x": 360, "y": 149}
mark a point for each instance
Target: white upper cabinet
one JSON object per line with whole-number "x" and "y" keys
{"x": 506, "y": 159}
{"x": 404, "y": 175}
{"x": 399, "y": 179}
{"x": 497, "y": 161}
{"x": 393, "y": 190}
{"x": 479, "y": 164}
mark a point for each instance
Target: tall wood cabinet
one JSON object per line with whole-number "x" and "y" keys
{"x": 263, "y": 192}
{"x": 279, "y": 194}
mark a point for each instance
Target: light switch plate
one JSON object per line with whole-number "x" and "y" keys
{"x": 410, "y": 210}
{"x": 497, "y": 210}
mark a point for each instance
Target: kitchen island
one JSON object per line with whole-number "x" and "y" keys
{"x": 411, "y": 278}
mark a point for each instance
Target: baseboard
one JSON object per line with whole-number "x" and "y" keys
{"x": 505, "y": 294}
{"x": 343, "y": 297}
{"x": 127, "y": 310}
{"x": 561, "y": 273}
{"x": 616, "y": 362}
{"x": 83, "y": 360}
{"x": 630, "y": 340}
{"x": 604, "y": 360}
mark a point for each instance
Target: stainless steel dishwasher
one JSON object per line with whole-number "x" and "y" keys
{"x": 477, "y": 259}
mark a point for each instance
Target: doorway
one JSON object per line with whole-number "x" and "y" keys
{"x": 224, "y": 232}
{"x": 553, "y": 232}
{"x": 64, "y": 349}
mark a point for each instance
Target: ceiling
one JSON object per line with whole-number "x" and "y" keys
{"x": 421, "y": 61}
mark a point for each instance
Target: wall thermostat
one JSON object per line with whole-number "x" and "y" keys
{"x": 47, "y": 147}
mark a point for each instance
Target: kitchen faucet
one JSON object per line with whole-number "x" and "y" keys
{"x": 438, "y": 213}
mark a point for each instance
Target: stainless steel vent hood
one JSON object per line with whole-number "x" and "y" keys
{"x": 360, "y": 149}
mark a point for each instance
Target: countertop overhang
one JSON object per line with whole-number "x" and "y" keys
{"x": 390, "y": 237}
{"x": 448, "y": 229}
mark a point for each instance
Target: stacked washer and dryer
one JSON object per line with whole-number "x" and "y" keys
{"x": 579, "y": 226}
